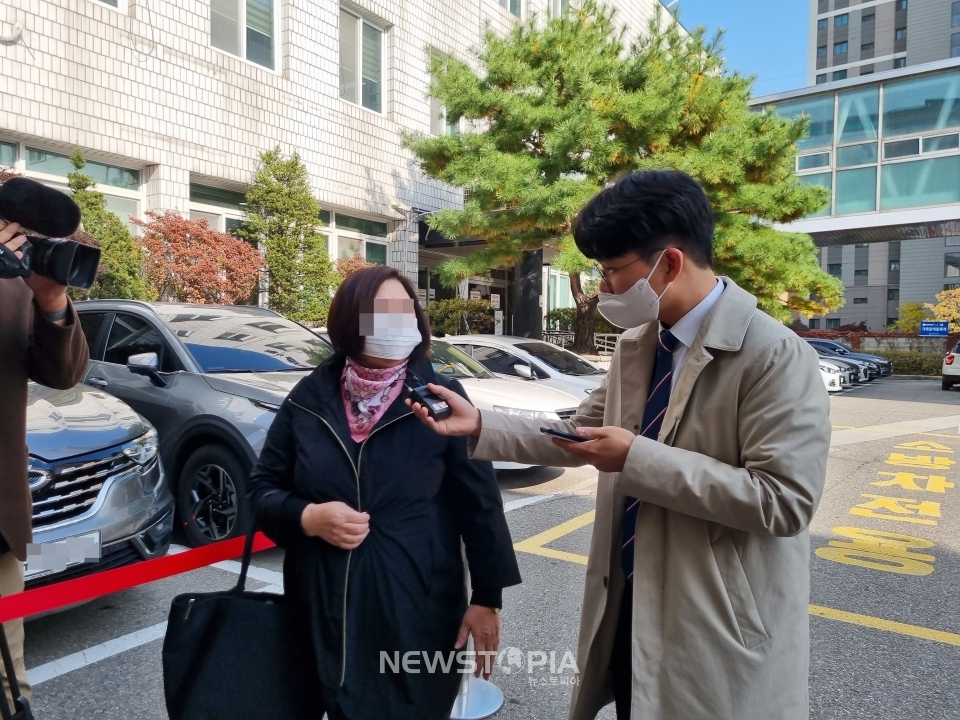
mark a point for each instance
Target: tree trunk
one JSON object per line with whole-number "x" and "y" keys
{"x": 586, "y": 314}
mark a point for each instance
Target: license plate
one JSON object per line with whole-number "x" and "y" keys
{"x": 53, "y": 557}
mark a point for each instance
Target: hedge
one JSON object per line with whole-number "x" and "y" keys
{"x": 912, "y": 363}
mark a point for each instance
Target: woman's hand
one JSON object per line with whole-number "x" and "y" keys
{"x": 464, "y": 420}
{"x": 337, "y": 523}
{"x": 484, "y": 624}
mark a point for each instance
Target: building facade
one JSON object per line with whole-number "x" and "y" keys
{"x": 172, "y": 101}
{"x": 887, "y": 147}
{"x": 851, "y": 38}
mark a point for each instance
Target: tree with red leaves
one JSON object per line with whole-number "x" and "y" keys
{"x": 347, "y": 266}
{"x": 186, "y": 261}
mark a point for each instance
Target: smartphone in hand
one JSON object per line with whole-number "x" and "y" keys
{"x": 562, "y": 435}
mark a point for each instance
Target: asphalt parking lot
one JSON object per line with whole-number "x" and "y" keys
{"x": 885, "y": 563}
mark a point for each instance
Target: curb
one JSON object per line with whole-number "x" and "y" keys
{"x": 912, "y": 377}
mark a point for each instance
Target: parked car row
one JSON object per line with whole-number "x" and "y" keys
{"x": 840, "y": 367}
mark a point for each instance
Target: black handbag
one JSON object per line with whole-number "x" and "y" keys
{"x": 21, "y": 708}
{"x": 239, "y": 655}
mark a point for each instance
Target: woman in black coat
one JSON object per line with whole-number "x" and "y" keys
{"x": 372, "y": 506}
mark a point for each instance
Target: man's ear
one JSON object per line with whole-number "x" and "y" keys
{"x": 673, "y": 260}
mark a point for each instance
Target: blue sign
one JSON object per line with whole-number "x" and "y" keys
{"x": 935, "y": 329}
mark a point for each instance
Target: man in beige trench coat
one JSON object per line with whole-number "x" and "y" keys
{"x": 711, "y": 620}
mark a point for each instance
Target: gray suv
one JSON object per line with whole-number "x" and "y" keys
{"x": 100, "y": 499}
{"x": 210, "y": 378}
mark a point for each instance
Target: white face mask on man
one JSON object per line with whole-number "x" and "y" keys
{"x": 635, "y": 307}
{"x": 390, "y": 332}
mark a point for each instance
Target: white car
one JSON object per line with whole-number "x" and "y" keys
{"x": 950, "y": 370}
{"x": 834, "y": 379}
{"x": 512, "y": 397}
{"x": 532, "y": 360}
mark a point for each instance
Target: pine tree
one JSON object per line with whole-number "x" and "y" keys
{"x": 560, "y": 109}
{"x": 121, "y": 260}
{"x": 283, "y": 214}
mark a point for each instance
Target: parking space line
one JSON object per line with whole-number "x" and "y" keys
{"x": 535, "y": 545}
{"x": 876, "y": 623}
{"x": 854, "y": 436}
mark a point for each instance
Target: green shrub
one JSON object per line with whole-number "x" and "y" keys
{"x": 561, "y": 319}
{"x": 447, "y": 317}
{"x": 912, "y": 363}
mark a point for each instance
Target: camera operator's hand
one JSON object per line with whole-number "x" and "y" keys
{"x": 50, "y": 296}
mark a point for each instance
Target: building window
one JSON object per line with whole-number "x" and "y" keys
{"x": 952, "y": 240}
{"x": 835, "y": 269}
{"x": 361, "y": 62}
{"x": 440, "y": 124}
{"x": 866, "y": 48}
{"x": 8, "y": 154}
{"x": 833, "y": 323}
{"x": 811, "y": 162}
{"x": 376, "y": 253}
{"x": 901, "y": 4}
{"x": 43, "y": 161}
{"x": 822, "y": 24}
{"x": 513, "y": 6}
{"x": 815, "y": 323}
{"x": 841, "y": 20}
{"x": 860, "y": 301}
{"x": 559, "y": 7}
{"x": 899, "y": 63}
{"x": 859, "y": 275}
{"x": 244, "y": 28}
{"x": 862, "y": 245}
{"x": 866, "y": 71}
{"x": 222, "y": 209}
{"x": 868, "y": 18}
{"x": 955, "y": 14}
{"x": 821, "y": 79}
{"x": 840, "y": 48}
{"x": 840, "y": 75}
{"x": 893, "y": 294}
{"x": 900, "y": 34}
{"x": 951, "y": 265}
{"x": 894, "y": 266}
{"x": 367, "y": 227}
{"x": 955, "y": 45}
{"x": 951, "y": 286}
{"x": 822, "y": 51}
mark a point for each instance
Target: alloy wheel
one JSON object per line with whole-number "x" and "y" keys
{"x": 214, "y": 502}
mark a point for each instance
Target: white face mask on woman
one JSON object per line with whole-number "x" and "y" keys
{"x": 390, "y": 332}
{"x": 635, "y": 307}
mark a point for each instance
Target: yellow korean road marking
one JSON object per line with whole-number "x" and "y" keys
{"x": 535, "y": 546}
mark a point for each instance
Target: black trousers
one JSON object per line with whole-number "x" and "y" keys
{"x": 621, "y": 659}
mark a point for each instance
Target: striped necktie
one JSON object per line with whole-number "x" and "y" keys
{"x": 653, "y": 414}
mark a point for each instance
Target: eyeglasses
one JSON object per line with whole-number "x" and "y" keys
{"x": 606, "y": 276}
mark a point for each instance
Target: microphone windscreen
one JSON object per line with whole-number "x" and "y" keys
{"x": 44, "y": 210}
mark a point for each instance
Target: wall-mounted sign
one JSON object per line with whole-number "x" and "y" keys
{"x": 495, "y": 300}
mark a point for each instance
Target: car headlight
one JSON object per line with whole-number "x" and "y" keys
{"x": 143, "y": 449}
{"x": 831, "y": 370}
{"x": 532, "y": 414}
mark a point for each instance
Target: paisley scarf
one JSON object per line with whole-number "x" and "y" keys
{"x": 367, "y": 393}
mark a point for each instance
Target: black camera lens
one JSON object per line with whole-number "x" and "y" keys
{"x": 66, "y": 262}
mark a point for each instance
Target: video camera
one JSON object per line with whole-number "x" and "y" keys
{"x": 47, "y": 212}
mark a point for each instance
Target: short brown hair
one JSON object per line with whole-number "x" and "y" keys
{"x": 360, "y": 287}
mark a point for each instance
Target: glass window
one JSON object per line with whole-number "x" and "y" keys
{"x": 822, "y": 24}
{"x": 860, "y": 301}
{"x": 892, "y": 321}
{"x": 952, "y": 240}
{"x": 209, "y": 195}
{"x": 821, "y": 79}
{"x": 820, "y": 113}
{"x": 512, "y": 5}
{"x": 868, "y": 18}
{"x": 225, "y": 25}
{"x": 372, "y": 67}
{"x": 860, "y": 273}
{"x": 899, "y": 63}
{"x": 835, "y": 269}
{"x": 858, "y": 115}
{"x": 840, "y": 75}
{"x": 260, "y": 32}
{"x": 866, "y": 71}
{"x": 815, "y": 324}
{"x": 125, "y": 209}
{"x": 367, "y": 227}
{"x": 857, "y": 155}
{"x": 822, "y": 51}
{"x": 856, "y": 190}
{"x": 953, "y": 286}
{"x": 941, "y": 142}
{"x": 213, "y": 220}
{"x": 921, "y": 104}
{"x": 376, "y": 253}
{"x": 131, "y": 335}
{"x": 840, "y": 48}
{"x": 841, "y": 20}
{"x": 921, "y": 182}
{"x": 498, "y": 361}
{"x": 822, "y": 179}
{"x": 92, "y": 323}
{"x": 325, "y": 217}
{"x": 901, "y": 148}
{"x": 893, "y": 294}
{"x": 454, "y": 363}
{"x": 349, "y": 54}
{"x": 347, "y": 247}
{"x": 57, "y": 164}
{"x": 894, "y": 266}
{"x": 8, "y": 154}
{"x": 809, "y": 162}
{"x": 559, "y": 359}
{"x": 955, "y": 45}
{"x": 833, "y": 323}
{"x": 900, "y": 34}
{"x": 440, "y": 124}
{"x": 901, "y": 4}
{"x": 955, "y": 14}
{"x": 231, "y": 225}
{"x": 866, "y": 48}
{"x": 951, "y": 265}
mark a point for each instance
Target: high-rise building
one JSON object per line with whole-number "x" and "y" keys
{"x": 850, "y": 38}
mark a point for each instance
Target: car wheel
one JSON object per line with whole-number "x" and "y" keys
{"x": 946, "y": 384}
{"x": 212, "y": 496}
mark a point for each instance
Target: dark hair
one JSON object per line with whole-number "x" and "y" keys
{"x": 359, "y": 290}
{"x": 644, "y": 213}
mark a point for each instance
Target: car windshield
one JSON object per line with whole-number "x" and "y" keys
{"x": 228, "y": 341}
{"x": 452, "y": 363}
{"x": 559, "y": 359}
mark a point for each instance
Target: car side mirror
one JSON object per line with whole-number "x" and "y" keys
{"x": 148, "y": 365}
{"x": 524, "y": 371}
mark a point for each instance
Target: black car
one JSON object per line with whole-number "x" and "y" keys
{"x": 886, "y": 367}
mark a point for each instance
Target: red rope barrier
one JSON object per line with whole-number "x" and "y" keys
{"x": 69, "y": 592}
